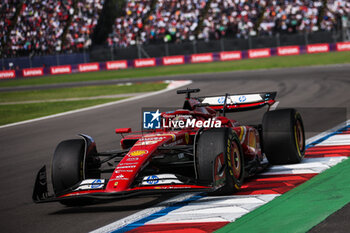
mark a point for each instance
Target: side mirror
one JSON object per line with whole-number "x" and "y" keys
{"x": 122, "y": 130}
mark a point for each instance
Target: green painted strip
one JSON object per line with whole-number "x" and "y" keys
{"x": 301, "y": 208}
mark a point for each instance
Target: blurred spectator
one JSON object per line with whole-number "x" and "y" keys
{"x": 170, "y": 21}
{"x": 127, "y": 29}
{"x": 7, "y": 12}
{"x": 83, "y": 22}
{"x": 232, "y": 18}
{"x": 41, "y": 24}
{"x": 49, "y": 26}
{"x": 292, "y": 16}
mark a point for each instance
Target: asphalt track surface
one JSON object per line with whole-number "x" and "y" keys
{"x": 321, "y": 93}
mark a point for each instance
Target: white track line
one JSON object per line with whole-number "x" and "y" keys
{"x": 332, "y": 130}
{"x": 144, "y": 213}
{"x": 172, "y": 85}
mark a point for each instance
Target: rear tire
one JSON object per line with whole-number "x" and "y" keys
{"x": 283, "y": 136}
{"x": 68, "y": 169}
{"x": 216, "y": 144}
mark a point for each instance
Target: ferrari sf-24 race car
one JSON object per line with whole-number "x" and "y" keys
{"x": 196, "y": 148}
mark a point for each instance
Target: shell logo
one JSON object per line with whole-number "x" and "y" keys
{"x": 138, "y": 152}
{"x": 187, "y": 138}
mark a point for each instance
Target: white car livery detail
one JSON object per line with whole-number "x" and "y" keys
{"x": 160, "y": 179}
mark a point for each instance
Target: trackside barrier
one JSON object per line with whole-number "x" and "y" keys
{"x": 177, "y": 60}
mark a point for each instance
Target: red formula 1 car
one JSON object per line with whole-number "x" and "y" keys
{"x": 196, "y": 148}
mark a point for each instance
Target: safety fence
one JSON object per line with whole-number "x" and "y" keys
{"x": 176, "y": 60}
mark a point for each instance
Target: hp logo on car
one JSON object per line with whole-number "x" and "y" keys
{"x": 242, "y": 98}
{"x": 221, "y": 100}
{"x": 152, "y": 180}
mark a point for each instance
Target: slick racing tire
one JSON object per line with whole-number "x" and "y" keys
{"x": 68, "y": 169}
{"x": 283, "y": 136}
{"x": 219, "y": 160}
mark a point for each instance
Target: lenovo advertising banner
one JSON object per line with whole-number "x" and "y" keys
{"x": 144, "y": 62}
{"x": 343, "y": 46}
{"x": 173, "y": 60}
{"x": 229, "y": 56}
{"x": 116, "y": 65}
{"x": 203, "y": 57}
{"x": 317, "y": 48}
{"x": 67, "y": 69}
{"x": 5, "y": 74}
{"x": 259, "y": 53}
{"x": 87, "y": 67}
{"x": 30, "y": 72}
{"x": 288, "y": 50}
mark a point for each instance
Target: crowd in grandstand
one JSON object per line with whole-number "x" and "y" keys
{"x": 178, "y": 20}
{"x": 170, "y": 20}
{"x": 51, "y": 26}
{"x": 40, "y": 25}
{"x": 7, "y": 12}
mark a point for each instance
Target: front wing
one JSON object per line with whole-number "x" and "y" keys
{"x": 41, "y": 193}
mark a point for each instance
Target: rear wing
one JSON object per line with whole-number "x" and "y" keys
{"x": 239, "y": 102}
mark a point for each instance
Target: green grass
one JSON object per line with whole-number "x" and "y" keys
{"x": 78, "y": 92}
{"x": 301, "y": 208}
{"x": 21, "y": 112}
{"x": 10, "y": 113}
{"x": 247, "y": 64}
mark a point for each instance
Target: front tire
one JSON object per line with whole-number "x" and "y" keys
{"x": 69, "y": 167}
{"x": 283, "y": 136}
{"x": 219, "y": 155}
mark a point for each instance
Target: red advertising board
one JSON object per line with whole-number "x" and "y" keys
{"x": 89, "y": 67}
{"x": 33, "y": 72}
{"x": 259, "y": 53}
{"x": 317, "y": 48}
{"x": 145, "y": 62}
{"x": 288, "y": 50}
{"x": 343, "y": 46}
{"x": 116, "y": 65}
{"x": 7, "y": 74}
{"x": 67, "y": 69}
{"x": 203, "y": 57}
{"x": 232, "y": 55}
{"x": 173, "y": 60}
